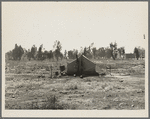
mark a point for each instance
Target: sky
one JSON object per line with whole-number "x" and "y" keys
{"x": 74, "y": 24}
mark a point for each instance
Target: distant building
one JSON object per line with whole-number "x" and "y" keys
{"x": 129, "y": 56}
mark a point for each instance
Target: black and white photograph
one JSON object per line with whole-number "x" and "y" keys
{"x": 74, "y": 59}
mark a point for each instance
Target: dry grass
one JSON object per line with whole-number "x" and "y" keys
{"x": 25, "y": 90}
{"x": 70, "y": 86}
{"x": 50, "y": 102}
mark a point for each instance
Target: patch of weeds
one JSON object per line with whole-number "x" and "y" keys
{"x": 107, "y": 107}
{"x": 132, "y": 71}
{"x": 18, "y": 72}
{"x": 25, "y": 78}
{"x": 30, "y": 86}
{"x": 108, "y": 88}
{"x": 13, "y": 106}
{"x": 27, "y": 86}
{"x": 118, "y": 87}
{"x": 71, "y": 86}
{"x": 28, "y": 72}
{"x": 136, "y": 71}
{"x": 87, "y": 80}
{"x": 53, "y": 103}
{"x": 104, "y": 85}
{"x": 10, "y": 78}
{"x": 50, "y": 103}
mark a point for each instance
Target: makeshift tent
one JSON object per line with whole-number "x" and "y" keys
{"x": 81, "y": 66}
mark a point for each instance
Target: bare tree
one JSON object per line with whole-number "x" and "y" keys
{"x": 136, "y": 52}
{"x": 58, "y": 47}
{"x": 113, "y": 50}
{"x": 94, "y": 51}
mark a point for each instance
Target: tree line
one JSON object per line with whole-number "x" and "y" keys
{"x": 112, "y": 51}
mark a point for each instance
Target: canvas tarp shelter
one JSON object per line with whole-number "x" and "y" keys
{"x": 81, "y": 66}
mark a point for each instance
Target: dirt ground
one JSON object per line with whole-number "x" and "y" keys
{"x": 28, "y": 85}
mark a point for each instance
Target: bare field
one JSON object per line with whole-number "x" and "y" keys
{"x": 28, "y": 85}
